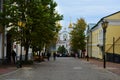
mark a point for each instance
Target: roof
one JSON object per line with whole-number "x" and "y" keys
{"x": 63, "y": 32}
{"x": 108, "y": 17}
{"x": 91, "y": 25}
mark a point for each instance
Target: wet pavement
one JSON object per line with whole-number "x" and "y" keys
{"x": 61, "y": 69}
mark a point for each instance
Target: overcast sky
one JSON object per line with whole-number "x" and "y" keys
{"x": 91, "y": 10}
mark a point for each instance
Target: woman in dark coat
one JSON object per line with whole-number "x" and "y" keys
{"x": 54, "y": 56}
{"x": 13, "y": 56}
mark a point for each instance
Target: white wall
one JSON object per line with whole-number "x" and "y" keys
{"x": 17, "y": 49}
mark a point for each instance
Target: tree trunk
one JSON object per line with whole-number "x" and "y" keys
{"x": 39, "y": 57}
{"x": 26, "y": 55}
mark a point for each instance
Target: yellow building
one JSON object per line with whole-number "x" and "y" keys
{"x": 97, "y": 37}
{"x": 89, "y": 39}
{"x": 112, "y": 44}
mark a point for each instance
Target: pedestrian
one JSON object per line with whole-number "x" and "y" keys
{"x": 14, "y": 56}
{"x": 83, "y": 53}
{"x": 76, "y": 55}
{"x": 54, "y": 56}
{"x": 48, "y": 56}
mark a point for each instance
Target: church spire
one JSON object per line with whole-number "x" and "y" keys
{"x": 70, "y": 25}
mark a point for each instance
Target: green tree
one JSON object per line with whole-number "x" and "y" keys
{"x": 62, "y": 49}
{"x": 39, "y": 18}
{"x": 47, "y": 18}
{"x": 78, "y": 36}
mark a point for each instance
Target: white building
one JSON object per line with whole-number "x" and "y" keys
{"x": 64, "y": 38}
{"x": 21, "y": 51}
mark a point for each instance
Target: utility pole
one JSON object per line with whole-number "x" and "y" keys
{"x": 3, "y": 31}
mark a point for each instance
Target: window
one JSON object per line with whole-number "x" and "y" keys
{"x": 65, "y": 37}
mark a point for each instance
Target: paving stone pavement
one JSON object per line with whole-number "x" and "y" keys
{"x": 61, "y": 69}
{"x": 7, "y": 68}
{"x": 113, "y": 67}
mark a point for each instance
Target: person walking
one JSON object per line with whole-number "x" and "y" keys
{"x": 54, "y": 56}
{"x": 14, "y": 56}
{"x": 48, "y": 56}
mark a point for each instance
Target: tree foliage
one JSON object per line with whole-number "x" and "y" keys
{"x": 78, "y": 36}
{"x": 62, "y": 49}
{"x": 39, "y": 18}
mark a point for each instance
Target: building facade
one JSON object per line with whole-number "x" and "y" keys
{"x": 89, "y": 39}
{"x": 63, "y": 40}
{"x": 112, "y": 43}
{"x": 97, "y": 38}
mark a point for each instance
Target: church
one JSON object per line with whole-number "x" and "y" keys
{"x": 64, "y": 39}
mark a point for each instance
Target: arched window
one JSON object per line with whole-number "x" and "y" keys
{"x": 65, "y": 37}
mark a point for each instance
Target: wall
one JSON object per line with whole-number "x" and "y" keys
{"x": 113, "y": 51}
{"x": 97, "y": 39}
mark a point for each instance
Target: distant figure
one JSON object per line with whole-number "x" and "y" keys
{"x": 48, "y": 56}
{"x": 54, "y": 56}
{"x": 14, "y": 56}
{"x": 76, "y": 55}
{"x": 83, "y": 53}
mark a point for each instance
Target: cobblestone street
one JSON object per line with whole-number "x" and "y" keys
{"x": 61, "y": 69}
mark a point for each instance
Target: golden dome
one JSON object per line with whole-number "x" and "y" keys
{"x": 70, "y": 25}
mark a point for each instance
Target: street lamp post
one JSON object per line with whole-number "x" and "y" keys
{"x": 88, "y": 34}
{"x": 104, "y": 26}
{"x": 87, "y": 48}
{"x": 21, "y": 24}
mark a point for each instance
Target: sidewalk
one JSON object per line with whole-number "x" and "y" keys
{"x": 7, "y": 68}
{"x": 4, "y": 69}
{"x": 113, "y": 67}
